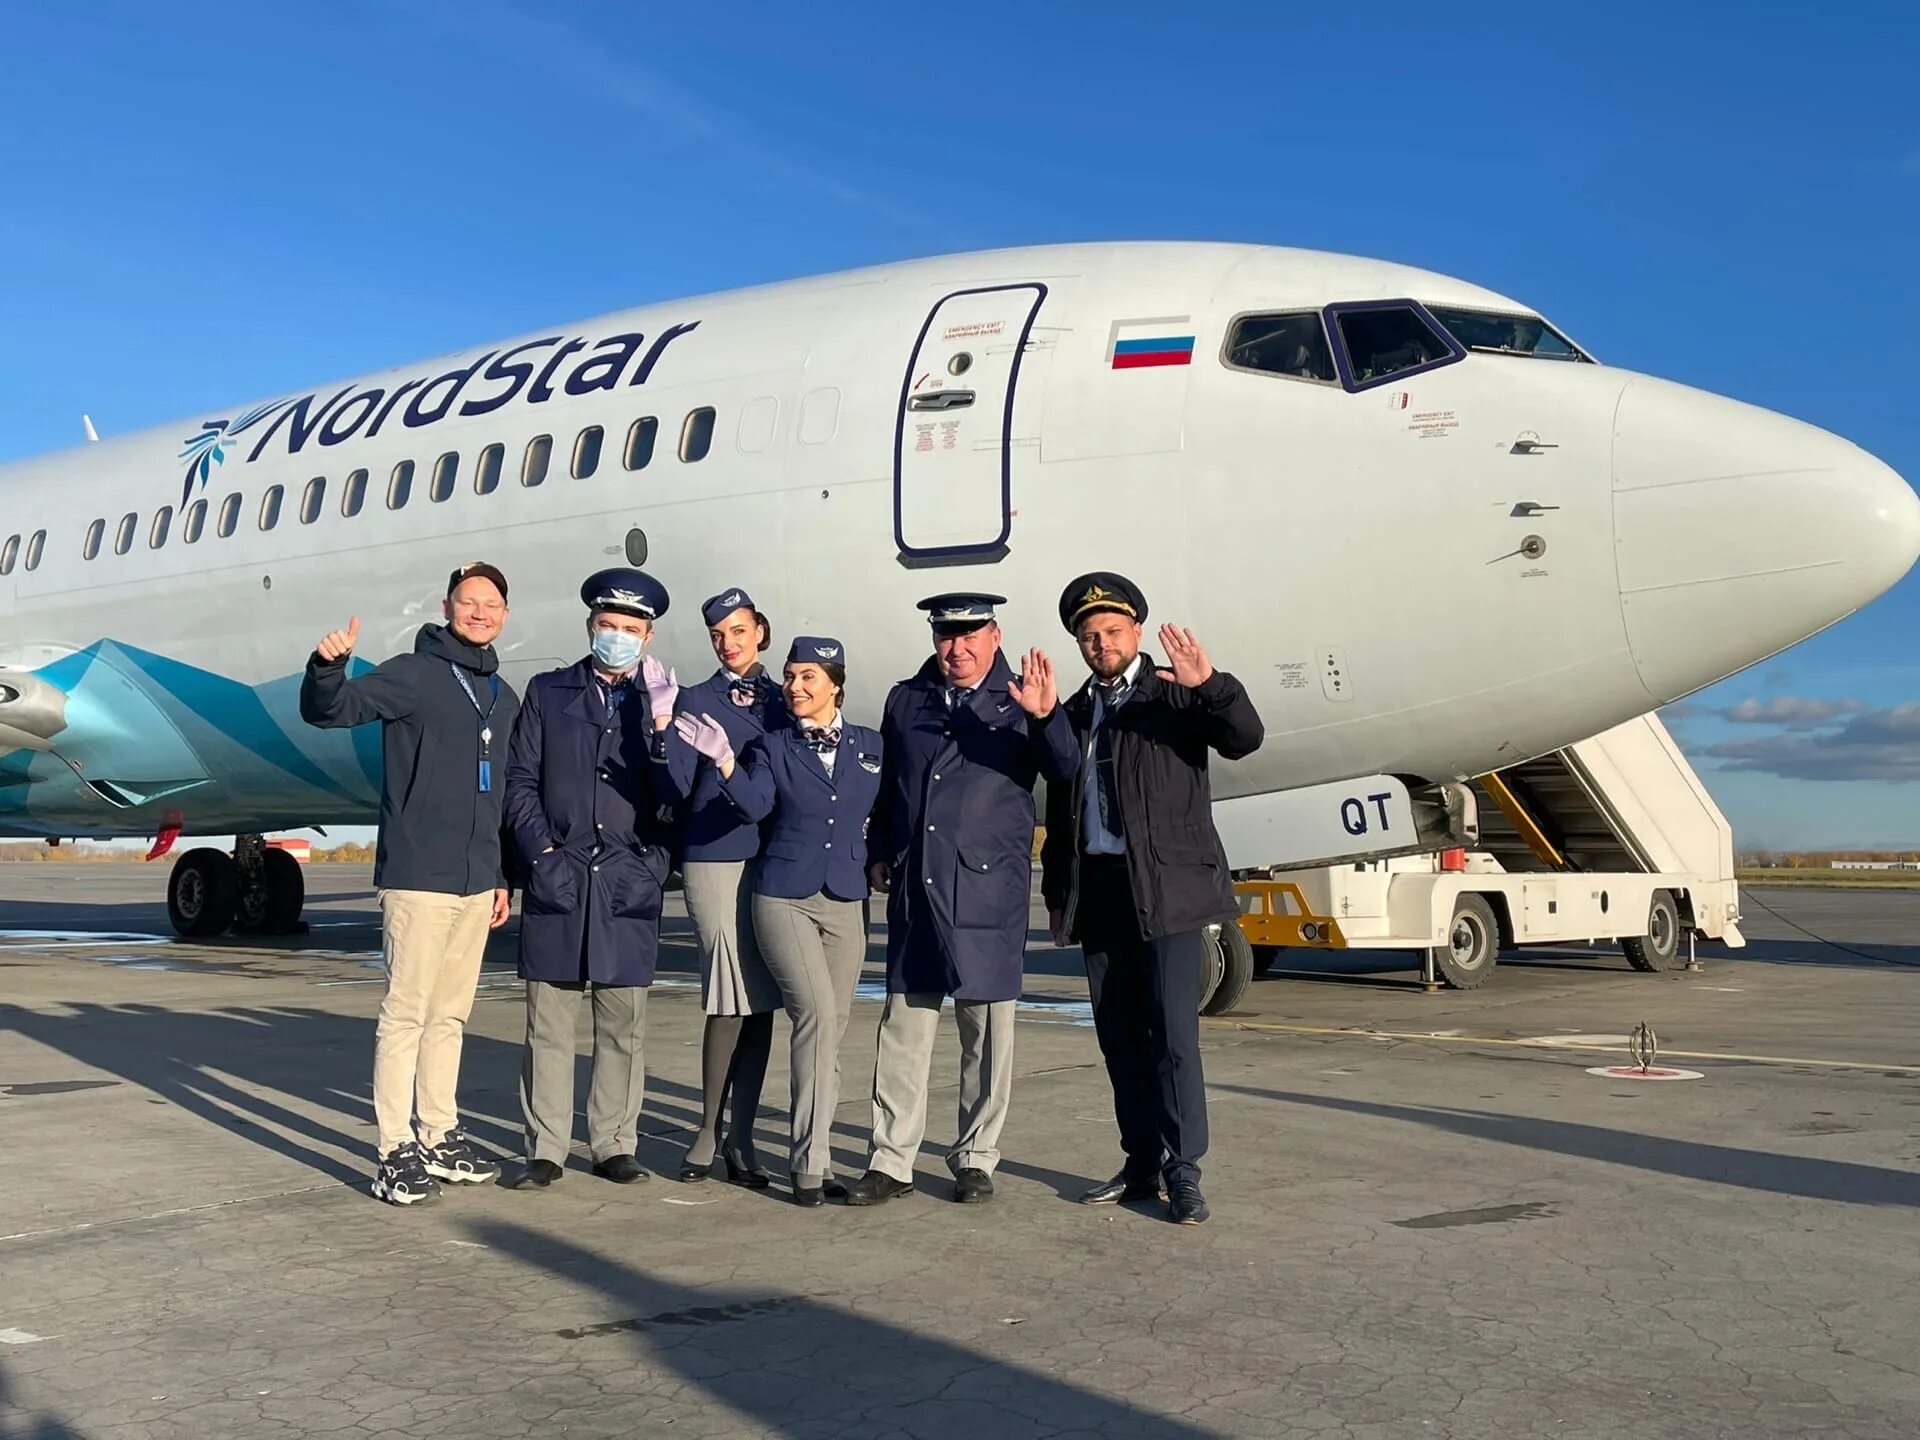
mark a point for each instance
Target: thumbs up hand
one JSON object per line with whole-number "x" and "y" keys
{"x": 338, "y": 644}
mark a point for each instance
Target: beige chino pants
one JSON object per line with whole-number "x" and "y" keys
{"x": 433, "y": 944}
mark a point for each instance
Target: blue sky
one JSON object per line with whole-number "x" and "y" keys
{"x": 205, "y": 202}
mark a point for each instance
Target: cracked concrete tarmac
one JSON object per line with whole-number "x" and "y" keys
{"x": 1458, "y": 1237}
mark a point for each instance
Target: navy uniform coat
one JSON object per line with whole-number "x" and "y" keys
{"x": 714, "y": 827}
{"x": 581, "y": 779}
{"x": 816, "y": 837}
{"x": 956, "y": 821}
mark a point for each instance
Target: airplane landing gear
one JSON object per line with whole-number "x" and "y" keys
{"x": 254, "y": 891}
{"x": 203, "y": 893}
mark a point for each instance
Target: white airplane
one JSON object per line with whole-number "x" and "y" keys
{"x": 1432, "y": 534}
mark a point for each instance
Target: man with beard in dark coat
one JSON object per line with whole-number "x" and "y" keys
{"x": 1134, "y": 870}
{"x": 951, "y": 842}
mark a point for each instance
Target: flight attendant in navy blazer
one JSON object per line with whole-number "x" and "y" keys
{"x": 737, "y": 990}
{"x": 815, "y": 782}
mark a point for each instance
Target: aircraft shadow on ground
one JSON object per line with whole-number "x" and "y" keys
{"x": 1802, "y": 1176}
{"x": 799, "y": 1366}
{"x": 17, "y": 1422}
{"x": 287, "y": 1078}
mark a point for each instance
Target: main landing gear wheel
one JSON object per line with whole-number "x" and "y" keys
{"x": 203, "y": 893}
{"x": 272, "y": 897}
{"x": 1229, "y": 967}
{"x": 1473, "y": 945}
{"x": 1659, "y": 948}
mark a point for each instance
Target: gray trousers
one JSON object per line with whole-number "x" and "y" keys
{"x": 619, "y": 1069}
{"x": 901, "y": 1072}
{"x": 815, "y": 948}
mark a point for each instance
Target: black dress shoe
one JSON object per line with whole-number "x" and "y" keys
{"x": 538, "y": 1175}
{"x": 741, "y": 1173}
{"x": 1120, "y": 1188}
{"x": 694, "y": 1174}
{"x": 808, "y": 1196}
{"x": 621, "y": 1169}
{"x": 1186, "y": 1204}
{"x": 873, "y": 1188}
{"x": 834, "y": 1189}
{"x": 972, "y": 1186}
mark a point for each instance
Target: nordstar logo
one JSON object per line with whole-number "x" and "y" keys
{"x": 530, "y": 371}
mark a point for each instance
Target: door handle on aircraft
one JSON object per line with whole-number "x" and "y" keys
{"x": 1529, "y": 443}
{"x": 1526, "y": 508}
{"x": 941, "y": 400}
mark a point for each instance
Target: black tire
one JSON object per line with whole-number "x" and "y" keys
{"x": 1229, "y": 965}
{"x": 1659, "y": 948}
{"x": 286, "y": 894}
{"x": 1263, "y": 958}
{"x": 203, "y": 893}
{"x": 1474, "y": 945}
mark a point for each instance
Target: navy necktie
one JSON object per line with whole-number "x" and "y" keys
{"x": 1106, "y": 789}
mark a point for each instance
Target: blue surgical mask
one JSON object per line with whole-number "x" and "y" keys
{"x": 616, "y": 649}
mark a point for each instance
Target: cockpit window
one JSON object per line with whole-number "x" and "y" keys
{"x": 1497, "y": 334}
{"x": 1387, "y": 338}
{"x": 1292, "y": 345}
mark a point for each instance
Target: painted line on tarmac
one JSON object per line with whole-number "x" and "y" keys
{"x": 1556, "y": 1043}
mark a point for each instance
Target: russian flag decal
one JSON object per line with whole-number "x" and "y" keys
{"x": 1140, "y": 344}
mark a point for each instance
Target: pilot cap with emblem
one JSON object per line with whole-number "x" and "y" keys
{"x": 1097, "y": 591}
{"x": 816, "y": 650}
{"x": 479, "y": 569}
{"x": 724, "y": 604}
{"x": 629, "y": 591}
{"x": 960, "y": 611}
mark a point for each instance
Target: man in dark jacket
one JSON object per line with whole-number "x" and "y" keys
{"x": 951, "y": 841}
{"x": 583, "y": 805}
{"x": 1134, "y": 870}
{"x": 445, "y": 720}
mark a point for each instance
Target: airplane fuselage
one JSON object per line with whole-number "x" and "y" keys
{"x": 1429, "y": 571}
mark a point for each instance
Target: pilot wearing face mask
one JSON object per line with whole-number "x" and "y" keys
{"x": 583, "y": 800}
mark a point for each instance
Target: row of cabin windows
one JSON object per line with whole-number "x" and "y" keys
{"x": 696, "y": 440}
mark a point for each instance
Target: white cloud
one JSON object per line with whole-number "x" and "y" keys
{"x": 1793, "y": 711}
{"x": 1868, "y": 744}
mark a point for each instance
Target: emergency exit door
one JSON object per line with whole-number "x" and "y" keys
{"x": 953, "y": 453}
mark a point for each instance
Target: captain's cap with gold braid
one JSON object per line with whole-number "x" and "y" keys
{"x": 629, "y": 591}
{"x": 959, "y": 611}
{"x": 1097, "y": 591}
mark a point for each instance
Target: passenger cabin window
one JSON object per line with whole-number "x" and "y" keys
{"x": 229, "y": 519}
{"x": 640, "y": 437}
{"x": 162, "y": 520}
{"x": 8, "y": 552}
{"x": 533, "y": 469}
{"x": 1386, "y": 340}
{"x": 696, "y": 435}
{"x": 313, "y": 499}
{"x": 94, "y": 533}
{"x": 123, "y": 537}
{"x": 486, "y": 472}
{"x": 34, "y": 547}
{"x": 353, "y": 494}
{"x": 400, "y": 487}
{"x": 270, "y": 506}
{"x": 445, "y": 470}
{"x": 194, "y": 522}
{"x": 1496, "y": 334}
{"x": 586, "y": 452}
{"x": 1291, "y": 345}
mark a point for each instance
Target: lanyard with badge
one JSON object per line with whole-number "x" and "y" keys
{"x": 486, "y": 716}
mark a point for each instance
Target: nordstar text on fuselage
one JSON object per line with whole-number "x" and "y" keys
{"x": 533, "y": 367}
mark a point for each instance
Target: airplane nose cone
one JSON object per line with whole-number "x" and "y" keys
{"x": 1740, "y": 531}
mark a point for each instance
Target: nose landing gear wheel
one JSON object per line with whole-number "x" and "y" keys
{"x": 203, "y": 893}
{"x": 1229, "y": 967}
{"x": 272, "y": 898}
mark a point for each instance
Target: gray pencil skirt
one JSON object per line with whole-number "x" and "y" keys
{"x": 734, "y": 979}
